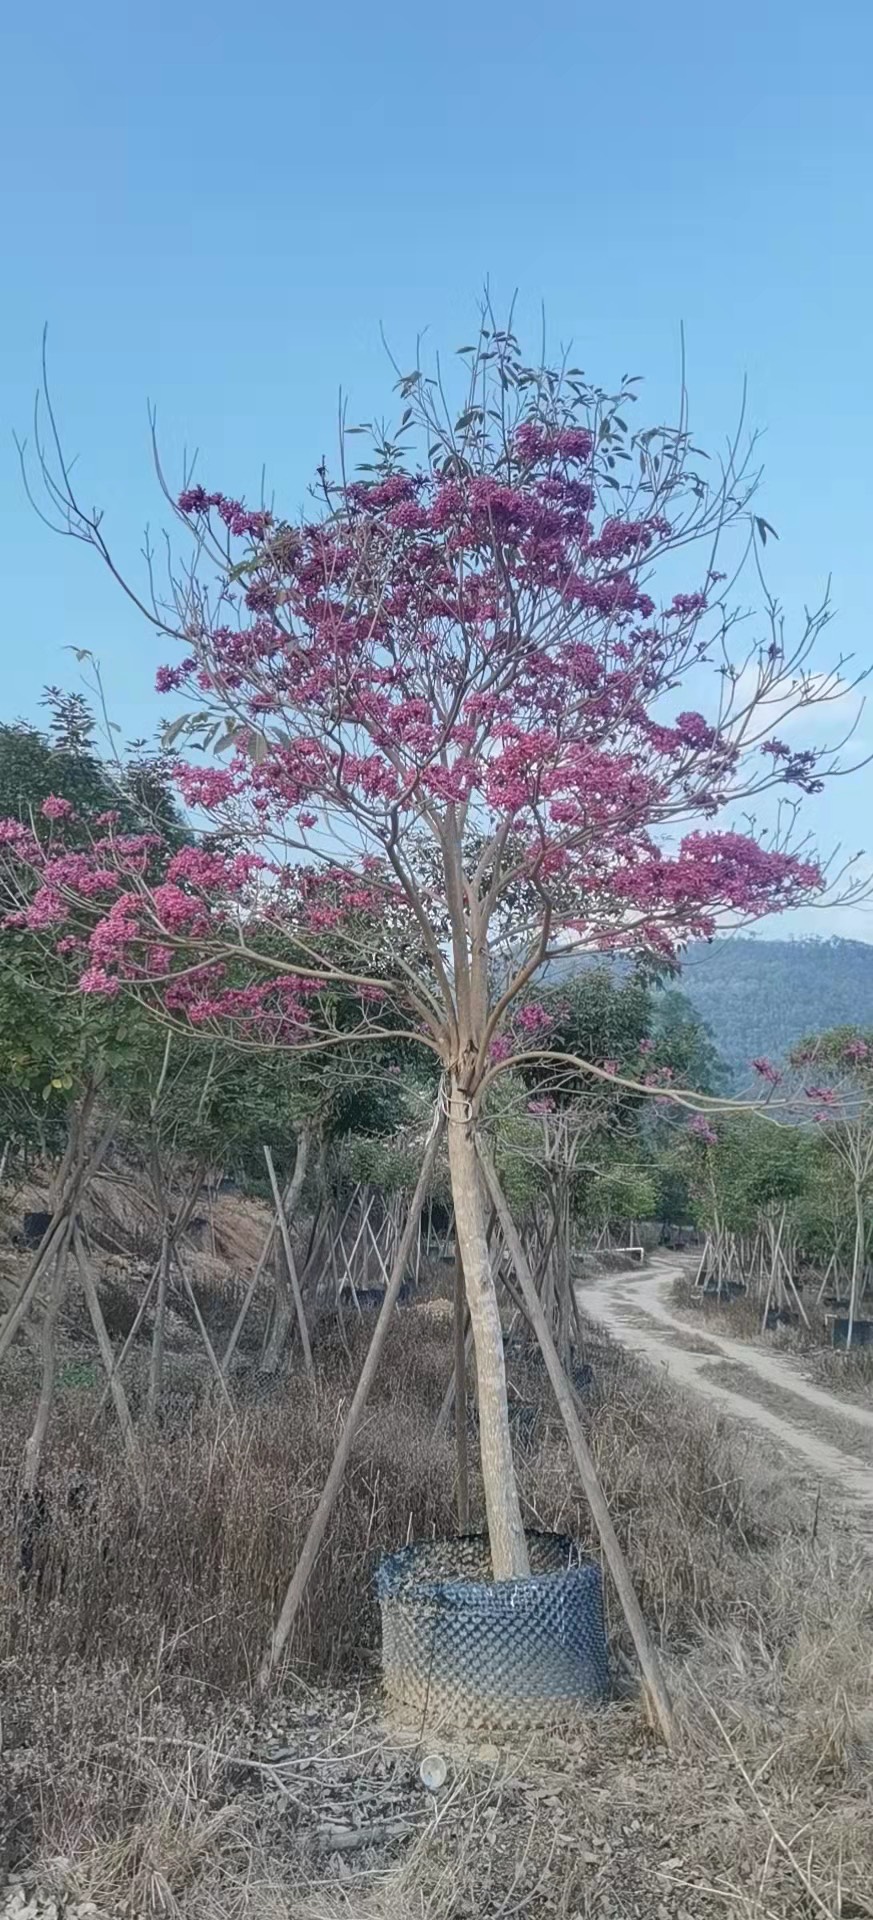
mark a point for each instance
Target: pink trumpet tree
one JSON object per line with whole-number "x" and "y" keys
{"x": 452, "y": 743}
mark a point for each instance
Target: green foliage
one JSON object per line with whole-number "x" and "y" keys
{"x": 618, "y": 1190}
{"x": 597, "y": 1016}
{"x": 758, "y": 1165}
{"x": 684, "y": 1044}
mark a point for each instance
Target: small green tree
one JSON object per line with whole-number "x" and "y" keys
{"x": 837, "y": 1074}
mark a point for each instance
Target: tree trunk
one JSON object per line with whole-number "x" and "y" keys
{"x": 505, "y": 1530}
{"x": 33, "y": 1450}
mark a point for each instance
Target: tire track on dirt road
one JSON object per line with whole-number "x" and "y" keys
{"x": 634, "y": 1307}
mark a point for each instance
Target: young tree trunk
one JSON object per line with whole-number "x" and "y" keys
{"x": 505, "y": 1530}
{"x": 33, "y": 1450}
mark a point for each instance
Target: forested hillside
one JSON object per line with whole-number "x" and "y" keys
{"x": 759, "y": 996}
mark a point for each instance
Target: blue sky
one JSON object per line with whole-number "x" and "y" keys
{"x": 216, "y": 208}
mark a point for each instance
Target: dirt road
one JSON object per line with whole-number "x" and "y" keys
{"x": 828, "y": 1439}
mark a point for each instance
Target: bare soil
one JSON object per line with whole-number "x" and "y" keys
{"x": 819, "y": 1434}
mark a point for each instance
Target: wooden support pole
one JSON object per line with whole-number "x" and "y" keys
{"x": 201, "y": 1328}
{"x": 442, "y": 1420}
{"x": 318, "y": 1524}
{"x": 292, "y": 1266}
{"x": 462, "y": 1461}
{"x": 119, "y": 1359}
{"x": 129, "y": 1440}
{"x": 74, "y": 1187}
{"x": 35, "y": 1443}
{"x": 251, "y": 1289}
{"x": 659, "y": 1697}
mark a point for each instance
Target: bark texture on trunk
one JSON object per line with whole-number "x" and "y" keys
{"x": 509, "y": 1558}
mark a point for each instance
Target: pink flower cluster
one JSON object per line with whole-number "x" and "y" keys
{"x": 56, "y": 808}
{"x": 766, "y": 1070}
{"x": 238, "y": 521}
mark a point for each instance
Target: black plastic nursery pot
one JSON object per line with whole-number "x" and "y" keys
{"x": 462, "y": 1649}
{"x": 34, "y": 1227}
{"x": 862, "y": 1333}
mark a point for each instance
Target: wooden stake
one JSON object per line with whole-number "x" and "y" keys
{"x": 463, "y": 1464}
{"x": 242, "y": 1316}
{"x": 104, "y": 1343}
{"x": 33, "y": 1450}
{"x": 659, "y": 1697}
{"x": 442, "y": 1420}
{"x": 73, "y": 1190}
{"x": 118, "y": 1360}
{"x": 201, "y": 1328}
{"x": 289, "y": 1256}
{"x": 318, "y": 1524}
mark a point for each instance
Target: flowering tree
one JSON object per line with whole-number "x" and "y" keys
{"x": 452, "y": 745}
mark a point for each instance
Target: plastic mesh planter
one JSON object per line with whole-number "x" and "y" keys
{"x": 461, "y": 1648}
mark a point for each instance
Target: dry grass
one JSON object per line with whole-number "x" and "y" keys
{"x": 187, "y": 1584}
{"x": 137, "y": 1775}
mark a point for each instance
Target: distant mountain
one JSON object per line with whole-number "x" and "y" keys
{"x": 758, "y": 997}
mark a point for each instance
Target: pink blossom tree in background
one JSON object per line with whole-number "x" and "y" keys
{"x": 476, "y": 709}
